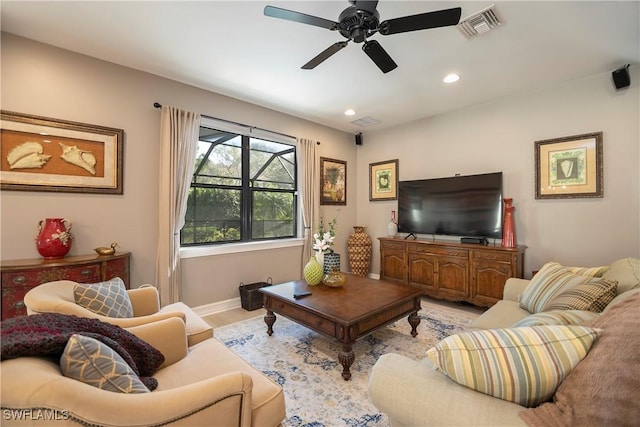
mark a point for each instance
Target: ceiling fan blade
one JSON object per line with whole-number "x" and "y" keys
{"x": 290, "y": 15}
{"x": 380, "y": 56}
{"x": 422, "y": 21}
{"x": 324, "y": 55}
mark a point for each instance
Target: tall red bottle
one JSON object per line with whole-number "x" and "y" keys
{"x": 509, "y": 227}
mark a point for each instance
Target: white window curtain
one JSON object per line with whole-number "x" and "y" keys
{"x": 309, "y": 187}
{"x": 179, "y": 140}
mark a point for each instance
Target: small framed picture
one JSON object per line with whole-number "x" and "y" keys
{"x": 383, "y": 180}
{"x": 44, "y": 154}
{"x": 569, "y": 167}
{"x": 333, "y": 181}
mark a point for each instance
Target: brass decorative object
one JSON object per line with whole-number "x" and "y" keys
{"x": 107, "y": 251}
{"x": 335, "y": 279}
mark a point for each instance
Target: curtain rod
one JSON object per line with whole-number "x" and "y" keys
{"x": 158, "y": 105}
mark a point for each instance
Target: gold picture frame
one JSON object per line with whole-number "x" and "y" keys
{"x": 569, "y": 167}
{"x": 45, "y": 154}
{"x": 333, "y": 181}
{"x": 383, "y": 180}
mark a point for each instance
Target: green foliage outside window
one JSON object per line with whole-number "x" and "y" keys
{"x": 229, "y": 204}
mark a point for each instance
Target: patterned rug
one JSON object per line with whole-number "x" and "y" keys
{"x": 306, "y": 365}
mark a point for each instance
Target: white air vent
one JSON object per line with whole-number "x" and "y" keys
{"x": 366, "y": 121}
{"x": 479, "y": 22}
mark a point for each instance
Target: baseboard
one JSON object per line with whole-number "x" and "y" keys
{"x": 217, "y": 307}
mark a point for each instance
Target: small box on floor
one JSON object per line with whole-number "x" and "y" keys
{"x": 250, "y": 297}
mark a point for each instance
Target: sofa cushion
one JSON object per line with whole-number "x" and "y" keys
{"x": 551, "y": 280}
{"x": 92, "y": 362}
{"x": 108, "y": 298}
{"x": 557, "y": 317}
{"x": 211, "y": 358}
{"x": 586, "y": 296}
{"x": 502, "y": 315}
{"x": 603, "y": 389}
{"x": 626, "y": 272}
{"x": 521, "y": 365}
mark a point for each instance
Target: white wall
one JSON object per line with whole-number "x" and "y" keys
{"x": 42, "y": 80}
{"x": 499, "y": 136}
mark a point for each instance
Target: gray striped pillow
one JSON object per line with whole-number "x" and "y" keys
{"x": 521, "y": 365}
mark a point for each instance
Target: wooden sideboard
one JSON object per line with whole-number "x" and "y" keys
{"x": 20, "y": 276}
{"x": 449, "y": 270}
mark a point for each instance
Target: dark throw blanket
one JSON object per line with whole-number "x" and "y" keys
{"x": 46, "y": 335}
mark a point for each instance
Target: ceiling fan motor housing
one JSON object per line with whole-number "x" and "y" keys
{"x": 357, "y": 24}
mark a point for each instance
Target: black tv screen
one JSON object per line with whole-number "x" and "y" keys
{"x": 467, "y": 206}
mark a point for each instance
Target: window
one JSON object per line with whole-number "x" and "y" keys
{"x": 243, "y": 187}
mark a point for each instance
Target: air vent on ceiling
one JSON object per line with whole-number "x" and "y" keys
{"x": 480, "y": 22}
{"x": 366, "y": 121}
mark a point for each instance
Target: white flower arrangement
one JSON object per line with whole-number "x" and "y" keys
{"x": 323, "y": 240}
{"x": 325, "y": 244}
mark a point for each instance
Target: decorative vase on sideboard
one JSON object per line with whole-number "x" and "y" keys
{"x": 54, "y": 237}
{"x": 392, "y": 225}
{"x": 509, "y": 228}
{"x": 359, "y": 248}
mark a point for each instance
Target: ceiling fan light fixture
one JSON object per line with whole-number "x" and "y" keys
{"x": 451, "y": 78}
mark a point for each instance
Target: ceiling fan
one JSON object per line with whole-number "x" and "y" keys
{"x": 361, "y": 21}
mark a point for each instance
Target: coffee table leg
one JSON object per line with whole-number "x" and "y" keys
{"x": 414, "y": 321}
{"x": 269, "y": 319}
{"x": 346, "y": 358}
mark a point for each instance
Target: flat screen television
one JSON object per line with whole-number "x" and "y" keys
{"x": 466, "y": 206}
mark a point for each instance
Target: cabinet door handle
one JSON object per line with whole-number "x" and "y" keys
{"x": 18, "y": 304}
{"x": 19, "y": 279}
{"x": 85, "y": 272}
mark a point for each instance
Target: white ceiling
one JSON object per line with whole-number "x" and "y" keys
{"x": 233, "y": 49}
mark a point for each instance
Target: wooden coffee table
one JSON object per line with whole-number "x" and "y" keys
{"x": 347, "y": 313}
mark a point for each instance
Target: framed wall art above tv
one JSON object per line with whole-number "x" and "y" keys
{"x": 45, "y": 154}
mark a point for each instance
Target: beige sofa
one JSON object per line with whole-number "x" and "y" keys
{"x": 205, "y": 384}
{"x": 413, "y": 393}
{"x": 57, "y": 297}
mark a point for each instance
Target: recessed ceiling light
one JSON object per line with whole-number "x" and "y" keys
{"x": 350, "y": 112}
{"x": 451, "y": 78}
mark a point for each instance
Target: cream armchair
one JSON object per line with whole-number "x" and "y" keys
{"x": 57, "y": 297}
{"x": 204, "y": 385}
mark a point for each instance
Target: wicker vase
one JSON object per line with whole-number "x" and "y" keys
{"x": 359, "y": 247}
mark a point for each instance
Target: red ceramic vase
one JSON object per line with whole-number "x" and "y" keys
{"x": 54, "y": 237}
{"x": 509, "y": 228}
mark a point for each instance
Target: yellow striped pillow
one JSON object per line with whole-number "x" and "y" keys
{"x": 522, "y": 365}
{"x": 550, "y": 281}
{"x": 589, "y": 271}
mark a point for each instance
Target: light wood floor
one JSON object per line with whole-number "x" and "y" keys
{"x": 238, "y": 314}
{"x": 232, "y": 316}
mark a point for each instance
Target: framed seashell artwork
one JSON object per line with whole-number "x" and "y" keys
{"x": 569, "y": 167}
{"x": 45, "y": 154}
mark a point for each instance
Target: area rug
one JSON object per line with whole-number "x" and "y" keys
{"x": 306, "y": 365}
